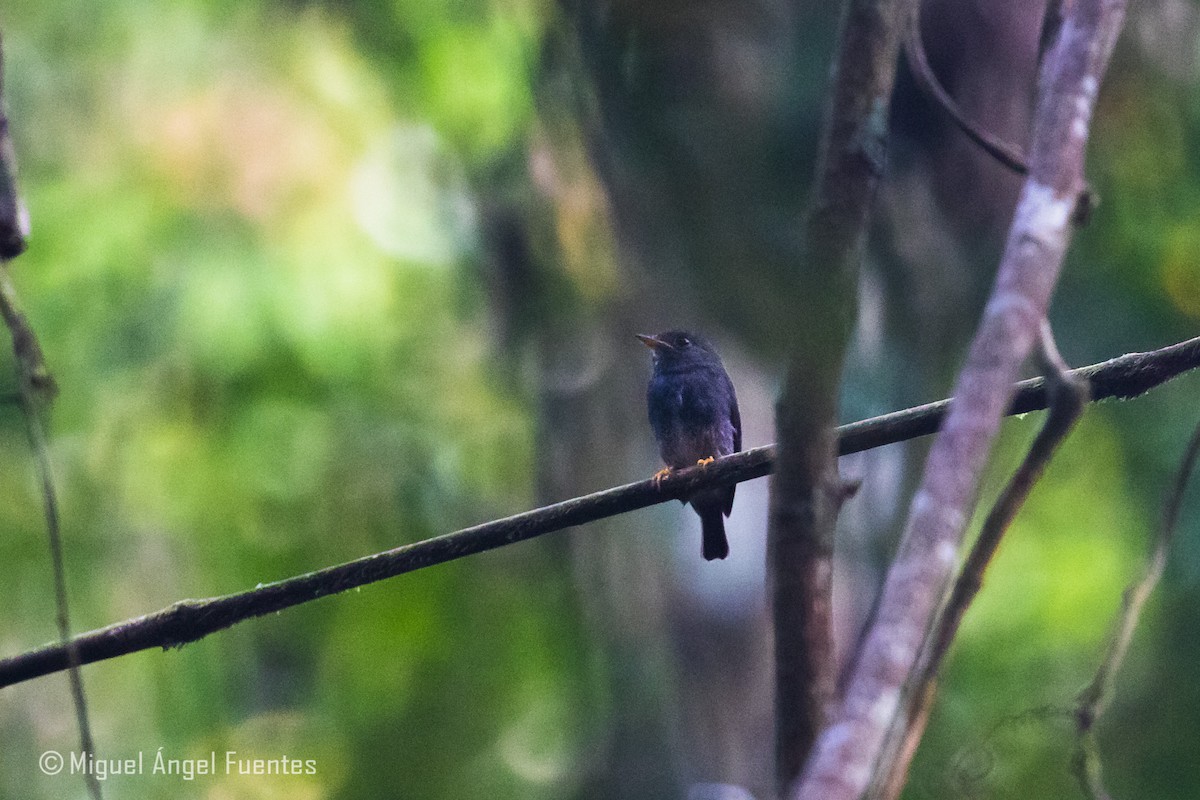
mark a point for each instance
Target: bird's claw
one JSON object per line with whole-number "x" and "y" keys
{"x": 704, "y": 462}
{"x": 660, "y": 476}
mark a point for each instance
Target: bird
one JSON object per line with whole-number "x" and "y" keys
{"x": 694, "y": 414}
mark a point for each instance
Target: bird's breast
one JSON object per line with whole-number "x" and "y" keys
{"x": 691, "y": 417}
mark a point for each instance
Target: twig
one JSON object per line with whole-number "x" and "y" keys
{"x": 37, "y": 442}
{"x": 31, "y": 364}
{"x": 188, "y": 620}
{"x": 847, "y": 753}
{"x": 1004, "y": 152}
{"x": 1068, "y": 397}
{"x": 806, "y": 492}
{"x": 1093, "y": 700}
{"x": 34, "y": 383}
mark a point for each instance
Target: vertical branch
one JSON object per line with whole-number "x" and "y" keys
{"x": 34, "y": 383}
{"x": 806, "y": 493}
{"x": 847, "y": 753}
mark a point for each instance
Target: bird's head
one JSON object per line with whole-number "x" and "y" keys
{"x": 680, "y": 348}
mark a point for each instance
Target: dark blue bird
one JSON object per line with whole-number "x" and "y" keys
{"x": 694, "y": 415}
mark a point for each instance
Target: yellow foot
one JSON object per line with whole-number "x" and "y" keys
{"x": 660, "y": 476}
{"x": 704, "y": 462}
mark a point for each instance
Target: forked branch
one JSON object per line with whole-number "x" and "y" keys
{"x": 847, "y": 755}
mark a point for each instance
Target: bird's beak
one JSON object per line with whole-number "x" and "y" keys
{"x": 653, "y": 342}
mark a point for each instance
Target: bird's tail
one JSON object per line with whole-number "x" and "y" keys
{"x": 712, "y": 527}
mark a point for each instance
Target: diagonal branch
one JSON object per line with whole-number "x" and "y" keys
{"x": 1124, "y": 377}
{"x": 847, "y": 753}
{"x": 1068, "y": 396}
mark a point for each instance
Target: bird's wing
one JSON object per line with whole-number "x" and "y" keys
{"x": 735, "y": 417}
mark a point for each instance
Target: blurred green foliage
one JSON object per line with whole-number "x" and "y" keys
{"x": 250, "y": 227}
{"x": 244, "y": 271}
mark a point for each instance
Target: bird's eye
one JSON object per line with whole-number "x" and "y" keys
{"x": 686, "y": 342}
